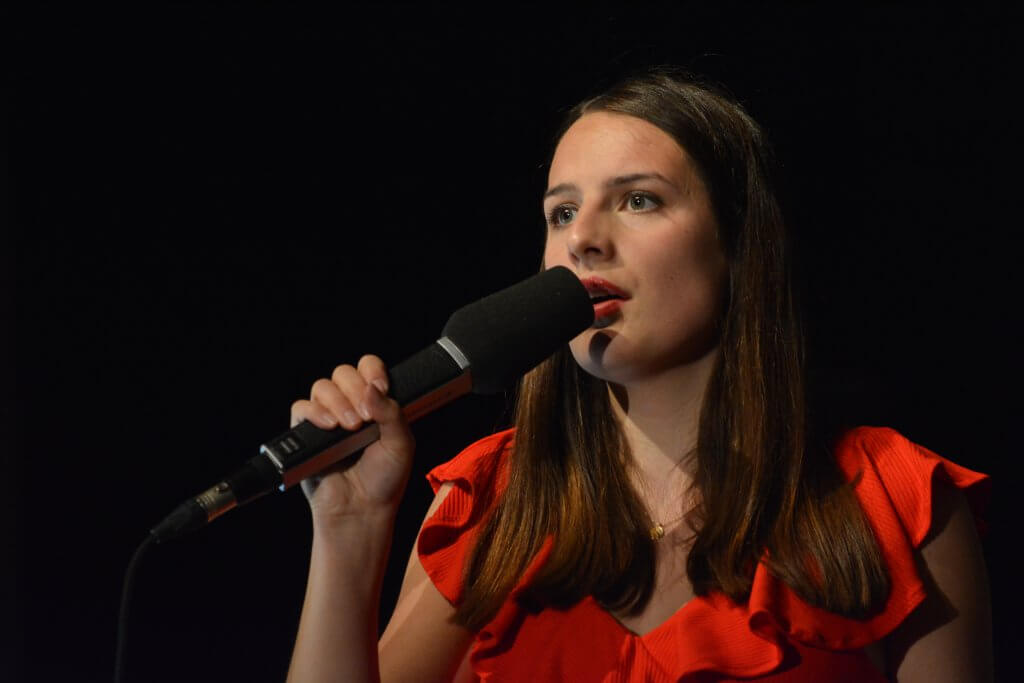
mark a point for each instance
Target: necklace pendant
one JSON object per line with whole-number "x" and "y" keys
{"x": 657, "y": 532}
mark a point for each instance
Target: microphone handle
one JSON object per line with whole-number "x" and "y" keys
{"x": 420, "y": 384}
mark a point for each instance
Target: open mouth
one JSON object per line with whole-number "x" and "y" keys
{"x": 602, "y": 290}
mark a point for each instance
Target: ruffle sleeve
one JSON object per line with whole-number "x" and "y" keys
{"x": 477, "y": 475}
{"x": 894, "y": 481}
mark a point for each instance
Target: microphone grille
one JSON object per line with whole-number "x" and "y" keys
{"x": 508, "y": 333}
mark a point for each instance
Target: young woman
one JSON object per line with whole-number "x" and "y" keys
{"x": 663, "y": 509}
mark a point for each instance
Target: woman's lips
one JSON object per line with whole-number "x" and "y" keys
{"x": 598, "y": 286}
{"x": 606, "y": 309}
{"x": 611, "y": 298}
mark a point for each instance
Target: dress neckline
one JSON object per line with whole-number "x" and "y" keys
{"x": 653, "y": 634}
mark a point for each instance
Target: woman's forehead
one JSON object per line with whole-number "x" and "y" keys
{"x": 603, "y": 143}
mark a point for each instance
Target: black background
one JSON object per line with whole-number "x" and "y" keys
{"x": 211, "y": 206}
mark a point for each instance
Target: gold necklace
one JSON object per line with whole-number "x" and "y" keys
{"x": 657, "y": 531}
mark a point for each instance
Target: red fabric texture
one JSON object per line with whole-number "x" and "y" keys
{"x": 775, "y": 636}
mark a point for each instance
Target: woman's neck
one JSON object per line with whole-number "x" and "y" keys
{"x": 660, "y": 417}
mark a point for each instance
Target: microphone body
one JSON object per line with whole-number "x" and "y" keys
{"x": 483, "y": 347}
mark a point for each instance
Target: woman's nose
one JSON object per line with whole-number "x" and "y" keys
{"x": 589, "y": 239}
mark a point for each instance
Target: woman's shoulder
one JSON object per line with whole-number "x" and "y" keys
{"x": 477, "y": 474}
{"x": 890, "y": 472}
{"x": 903, "y": 488}
{"x": 922, "y": 507}
{"x": 476, "y": 465}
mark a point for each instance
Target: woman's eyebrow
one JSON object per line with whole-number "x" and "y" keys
{"x": 562, "y": 188}
{"x": 633, "y": 177}
{"x": 569, "y": 188}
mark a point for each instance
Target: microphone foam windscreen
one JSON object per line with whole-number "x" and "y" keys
{"x": 508, "y": 333}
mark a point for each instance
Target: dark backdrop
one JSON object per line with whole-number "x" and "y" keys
{"x": 211, "y": 206}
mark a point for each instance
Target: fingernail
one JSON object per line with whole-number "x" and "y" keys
{"x": 351, "y": 419}
{"x": 329, "y": 419}
{"x": 382, "y": 385}
{"x": 364, "y": 411}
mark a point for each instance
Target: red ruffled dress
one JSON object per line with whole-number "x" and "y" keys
{"x": 775, "y": 636}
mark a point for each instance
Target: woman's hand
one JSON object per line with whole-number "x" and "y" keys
{"x": 372, "y": 483}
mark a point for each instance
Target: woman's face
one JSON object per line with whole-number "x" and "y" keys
{"x": 627, "y": 212}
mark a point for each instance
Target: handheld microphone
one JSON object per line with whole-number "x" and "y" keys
{"x": 483, "y": 348}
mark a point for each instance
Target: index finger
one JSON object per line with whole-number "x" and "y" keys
{"x": 374, "y": 371}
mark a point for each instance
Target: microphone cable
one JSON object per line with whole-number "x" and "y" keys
{"x": 126, "y": 597}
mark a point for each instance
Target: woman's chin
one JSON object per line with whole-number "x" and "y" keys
{"x": 597, "y": 354}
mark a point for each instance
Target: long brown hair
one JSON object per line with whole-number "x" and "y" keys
{"x": 765, "y": 494}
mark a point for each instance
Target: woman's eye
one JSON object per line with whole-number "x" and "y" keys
{"x": 641, "y": 201}
{"x": 561, "y": 215}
